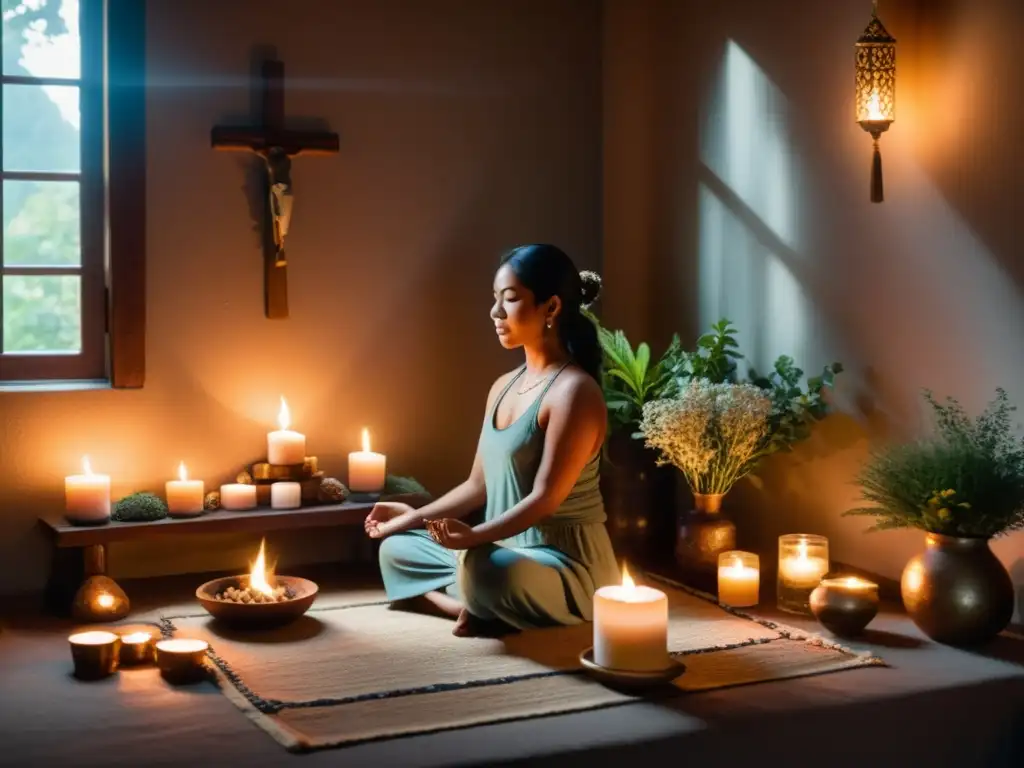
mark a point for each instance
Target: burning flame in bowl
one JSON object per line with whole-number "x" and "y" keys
{"x": 259, "y": 575}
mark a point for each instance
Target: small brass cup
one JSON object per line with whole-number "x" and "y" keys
{"x": 95, "y": 654}
{"x": 182, "y": 661}
{"x": 136, "y": 649}
{"x": 845, "y": 606}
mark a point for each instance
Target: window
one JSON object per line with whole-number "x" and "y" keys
{"x": 72, "y": 171}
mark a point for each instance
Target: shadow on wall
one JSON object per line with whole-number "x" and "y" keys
{"x": 909, "y": 294}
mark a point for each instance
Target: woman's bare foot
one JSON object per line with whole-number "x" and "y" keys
{"x": 468, "y": 625}
{"x": 432, "y": 604}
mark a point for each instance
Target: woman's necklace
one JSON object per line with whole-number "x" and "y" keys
{"x": 535, "y": 384}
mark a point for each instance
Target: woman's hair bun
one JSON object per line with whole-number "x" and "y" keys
{"x": 591, "y": 287}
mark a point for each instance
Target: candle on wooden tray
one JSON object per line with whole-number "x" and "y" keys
{"x": 285, "y": 446}
{"x": 739, "y": 579}
{"x": 803, "y": 561}
{"x": 184, "y": 496}
{"x": 182, "y": 661}
{"x": 87, "y": 497}
{"x": 367, "y": 471}
{"x": 94, "y": 654}
{"x": 286, "y": 495}
{"x": 237, "y": 496}
{"x": 631, "y": 627}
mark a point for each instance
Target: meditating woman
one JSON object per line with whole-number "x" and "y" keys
{"x": 542, "y": 548}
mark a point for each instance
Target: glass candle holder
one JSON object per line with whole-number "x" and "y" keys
{"x": 95, "y": 654}
{"x": 803, "y": 562}
{"x": 739, "y": 578}
{"x": 845, "y": 606}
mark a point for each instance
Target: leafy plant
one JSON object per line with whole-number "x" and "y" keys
{"x": 965, "y": 480}
{"x": 715, "y": 358}
{"x": 629, "y": 378}
{"x": 794, "y": 410}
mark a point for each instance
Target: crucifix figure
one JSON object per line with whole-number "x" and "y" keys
{"x": 277, "y": 146}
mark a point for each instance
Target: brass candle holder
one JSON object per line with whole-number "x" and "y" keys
{"x": 845, "y": 606}
{"x": 136, "y": 649}
{"x": 95, "y": 654}
{"x": 182, "y": 661}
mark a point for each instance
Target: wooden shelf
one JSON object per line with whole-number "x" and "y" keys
{"x": 64, "y": 534}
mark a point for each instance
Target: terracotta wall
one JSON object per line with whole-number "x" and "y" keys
{"x": 465, "y": 127}
{"x": 759, "y": 202}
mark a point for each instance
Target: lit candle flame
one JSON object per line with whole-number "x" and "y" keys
{"x": 627, "y": 580}
{"x": 86, "y": 466}
{"x": 284, "y": 418}
{"x": 366, "y": 440}
{"x": 875, "y": 107}
{"x": 802, "y": 550}
{"x": 136, "y": 637}
{"x": 105, "y": 600}
{"x": 182, "y": 472}
{"x": 258, "y": 574}
{"x": 737, "y": 563}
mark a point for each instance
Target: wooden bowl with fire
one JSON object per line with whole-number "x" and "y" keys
{"x": 258, "y": 599}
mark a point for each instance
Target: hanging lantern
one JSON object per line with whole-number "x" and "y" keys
{"x": 876, "y": 90}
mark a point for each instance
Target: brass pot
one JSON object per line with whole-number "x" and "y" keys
{"x": 956, "y": 591}
{"x": 703, "y": 534}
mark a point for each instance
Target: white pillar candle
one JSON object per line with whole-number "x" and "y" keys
{"x": 631, "y": 627}
{"x": 367, "y": 471}
{"x": 285, "y": 495}
{"x": 285, "y": 446}
{"x": 237, "y": 496}
{"x": 87, "y": 496}
{"x": 739, "y": 579}
{"x": 184, "y": 496}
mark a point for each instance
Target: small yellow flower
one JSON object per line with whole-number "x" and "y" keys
{"x": 944, "y": 514}
{"x": 947, "y": 493}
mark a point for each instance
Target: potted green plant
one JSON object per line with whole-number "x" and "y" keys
{"x": 638, "y": 494}
{"x": 962, "y": 485}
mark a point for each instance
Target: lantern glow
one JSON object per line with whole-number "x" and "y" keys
{"x": 875, "y": 78}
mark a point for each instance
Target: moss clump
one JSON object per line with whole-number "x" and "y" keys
{"x": 395, "y": 485}
{"x": 139, "y": 507}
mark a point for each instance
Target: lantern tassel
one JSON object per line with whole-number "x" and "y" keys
{"x": 877, "y": 194}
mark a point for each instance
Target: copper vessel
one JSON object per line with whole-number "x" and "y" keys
{"x": 956, "y": 591}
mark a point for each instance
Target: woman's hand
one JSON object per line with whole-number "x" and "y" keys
{"x": 453, "y": 534}
{"x": 385, "y": 518}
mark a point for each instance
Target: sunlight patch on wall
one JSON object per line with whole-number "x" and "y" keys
{"x": 745, "y": 142}
{"x": 742, "y": 279}
{"x": 749, "y": 219}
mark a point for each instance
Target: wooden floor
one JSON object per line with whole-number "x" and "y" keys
{"x": 935, "y": 706}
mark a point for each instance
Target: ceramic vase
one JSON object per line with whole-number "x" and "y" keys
{"x": 956, "y": 591}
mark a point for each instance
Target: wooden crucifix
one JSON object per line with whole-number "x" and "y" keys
{"x": 277, "y": 146}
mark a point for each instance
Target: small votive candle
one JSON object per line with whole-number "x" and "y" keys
{"x": 184, "y": 496}
{"x": 136, "y": 649}
{"x": 95, "y": 654}
{"x": 846, "y": 605}
{"x": 87, "y": 497}
{"x": 182, "y": 661}
{"x": 739, "y": 579}
{"x": 803, "y": 562}
{"x": 285, "y": 495}
{"x": 237, "y": 496}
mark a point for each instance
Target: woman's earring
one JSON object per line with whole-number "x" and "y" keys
{"x": 549, "y": 324}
